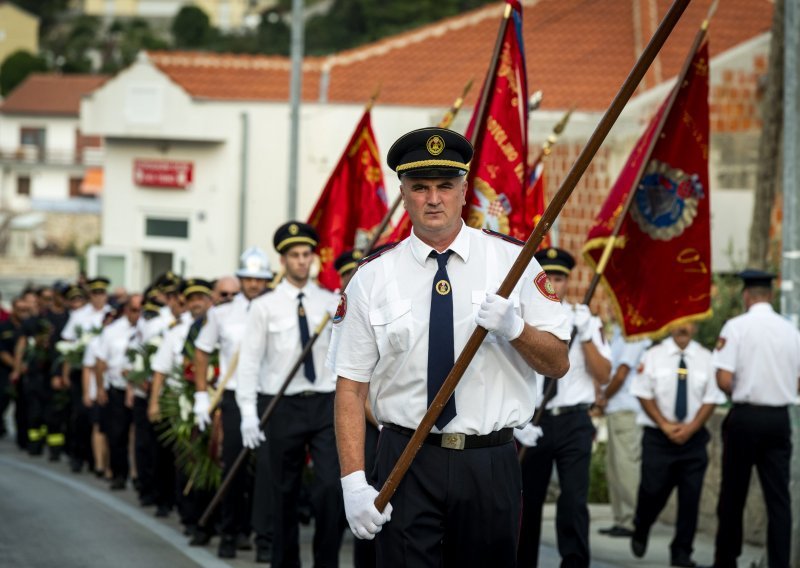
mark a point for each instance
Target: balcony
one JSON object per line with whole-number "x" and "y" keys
{"x": 32, "y": 155}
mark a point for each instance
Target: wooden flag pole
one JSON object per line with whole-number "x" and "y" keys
{"x": 446, "y": 121}
{"x": 526, "y": 254}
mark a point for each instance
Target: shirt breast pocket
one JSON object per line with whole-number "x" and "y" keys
{"x": 393, "y": 326}
{"x": 666, "y": 384}
{"x": 283, "y": 333}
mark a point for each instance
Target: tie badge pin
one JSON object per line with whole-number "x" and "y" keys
{"x": 443, "y": 287}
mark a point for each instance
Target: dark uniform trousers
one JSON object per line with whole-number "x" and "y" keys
{"x": 164, "y": 483}
{"x": 453, "y": 508}
{"x": 364, "y": 550}
{"x": 119, "y": 426}
{"x": 145, "y": 449}
{"x": 567, "y": 443}
{"x": 301, "y": 422}
{"x": 79, "y": 429}
{"x": 757, "y": 436}
{"x": 235, "y": 510}
{"x": 666, "y": 466}
{"x": 36, "y": 399}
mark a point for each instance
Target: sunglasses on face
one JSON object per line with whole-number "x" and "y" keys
{"x": 227, "y": 294}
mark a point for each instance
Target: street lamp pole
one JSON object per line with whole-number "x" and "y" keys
{"x": 295, "y": 94}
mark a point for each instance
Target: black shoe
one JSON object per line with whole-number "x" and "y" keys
{"x": 227, "y": 547}
{"x": 188, "y": 530}
{"x": 684, "y": 560}
{"x": 639, "y": 543}
{"x": 99, "y": 473}
{"x": 162, "y": 511}
{"x": 136, "y": 484}
{"x": 615, "y": 531}
{"x": 263, "y": 555}
{"x": 75, "y": 465}
{"x": 200, "y": 538}
{"x": 146, "y": 501}
{"x": 243, "y": 542}
{"x": 117, "y": 484}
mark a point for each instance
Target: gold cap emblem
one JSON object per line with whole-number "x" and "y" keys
{"x": 552, "y": 253}
{"x": 357, "y": 254}
{"x": 293, "y": 229}
{"x": 435, "y": 145}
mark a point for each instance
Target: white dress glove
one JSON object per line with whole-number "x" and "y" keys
{"x": 497, "y": 315}
{"x": 252, "y": 434}
{"x": 359, "y": 506}
{"x": 529, "y": 435}
{"x": 200, "y": 409}
{"x": 583, "y": 320}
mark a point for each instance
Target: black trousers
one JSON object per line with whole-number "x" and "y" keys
{"x": 567, "y": 444}
{"x": 453, "y": 508}
{"x": 235, "y": 507}
{"x": 21, "y": 413}
{"x": 145, "y": 449}
{"x": 56, "y": 417}
{"x": 37, "y": 397}
{"x": 164, "y": 482}
{"x": 119, "y": 426}
{"x": 755, "y": 436}
{"x": 364, "y": 555}
{"x": 5, "y": 396}
{"x": 79, "y": 428}
{"x": 263, "y": 514}
{"x": 666, "y": 466}
{"x": 300, "y": 423}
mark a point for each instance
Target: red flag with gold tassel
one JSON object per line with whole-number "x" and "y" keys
{"x": 534, "y": 195}
{"x": 496, "y": 196}
{"x": 353, "y": 202}
{"x": 659, "y": 271}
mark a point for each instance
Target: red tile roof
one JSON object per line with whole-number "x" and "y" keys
{"x": 51, "y": 94}
{"x": 578, "y": 53}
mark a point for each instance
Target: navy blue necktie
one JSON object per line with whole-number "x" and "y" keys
{"x": 308, "y": 362}
{"x": 441, "y": 344}
{"x": 681, "y": 402}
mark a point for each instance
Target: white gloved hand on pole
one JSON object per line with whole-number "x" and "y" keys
{"x": 583, "y": 321}
{"x": 497, "y": 315}
{"x": 529, "y": 435}
{"x": 201, "y": 410}
{"x": 359, "y": 506}
{"x": 252, "y": 435}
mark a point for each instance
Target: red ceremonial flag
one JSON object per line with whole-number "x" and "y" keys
{"x": 534, "y": 195}
{"x": 352, "y": 204}
{"x": 659, "y": 271}
{"x": 496, "y": 196}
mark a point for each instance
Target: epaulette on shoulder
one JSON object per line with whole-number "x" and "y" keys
{"x": 380, "y": 252}
{"x": 504, "y": 237}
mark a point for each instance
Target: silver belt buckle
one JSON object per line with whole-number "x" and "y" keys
{"x": 453, "y": 441}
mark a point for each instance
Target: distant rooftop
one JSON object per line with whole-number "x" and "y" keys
{"x": 51, "y": 94}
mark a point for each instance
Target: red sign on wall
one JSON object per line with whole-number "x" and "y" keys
{"x": 162, "y": 173}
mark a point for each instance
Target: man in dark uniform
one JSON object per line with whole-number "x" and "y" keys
{"x": 12, "y": 339}
{"x": 757, "y": 361}
{"x": 404, "y": 317}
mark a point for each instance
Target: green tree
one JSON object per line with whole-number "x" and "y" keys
{"x": 191, "y": 28}
{"x": 48, "y": 12}
{"x": 16, "y": 67}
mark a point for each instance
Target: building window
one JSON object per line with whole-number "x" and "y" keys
{"x": 33, "y": 137}
{"x": 75, "y": 187}
{"x": 23, "y": 185}
{"x": 173, "y": 228}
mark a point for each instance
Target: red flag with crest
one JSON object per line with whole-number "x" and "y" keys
{"x": 353, "y": 202}
{"x": 496, "y": 196}
{"x": 659, "y": 271}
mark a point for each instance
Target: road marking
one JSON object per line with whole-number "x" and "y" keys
{"x": 201, "y": 556}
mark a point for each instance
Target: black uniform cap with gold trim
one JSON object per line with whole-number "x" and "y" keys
{"x": 555, "y": 260}
{"x": 756, "y": 278}
{"x": 430, "y": 153}
{"x": 347, "y": 261}
{"x": 98, "y": 284}
{"x": 294, "y": 233}
{"x": 195, "y": 286}
{"x": 75, "y": 291}
{"x": 168, "y": 283}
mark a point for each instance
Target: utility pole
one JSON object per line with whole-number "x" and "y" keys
{"x": 295, "y": 95}
{"x": 790, "y": 269}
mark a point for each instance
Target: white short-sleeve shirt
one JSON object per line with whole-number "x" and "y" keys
{"x": 86, "y": 318}
{"x": 169, "y": 354}
{"x": 658, "y": 380}
{"x": 628, "y": 353}
{"x": 113, "y": 349}
{"x": 382, "y": 337}
{"x": 762, "y": 350}
{"x": 224, "y": 328}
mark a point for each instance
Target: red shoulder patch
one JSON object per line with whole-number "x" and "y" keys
{"x": 545, "y": 288}
{"x": 341, "y": 309}
{"x": 380, "y": 252}
{"x": 506, "y": 238}
{"x": 720, "y": 343}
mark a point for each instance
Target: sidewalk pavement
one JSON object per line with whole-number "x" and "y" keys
{"x": 615, "y": 552}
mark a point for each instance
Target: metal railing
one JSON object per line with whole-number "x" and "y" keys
{"x": 31, "y": 155}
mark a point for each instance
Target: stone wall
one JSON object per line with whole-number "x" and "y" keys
{"x": 72, "y": 231}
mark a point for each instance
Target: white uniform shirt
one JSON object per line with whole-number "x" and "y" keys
{"x": 224, "y": 327}
{"x": 628, "y": 353}
{"x": 87, "y": 318}
{"x": 90, "y": 360}
{"x": 383, "y": 337}
{"x": 146, "y": 330}
{"x": 658, "y": 380}
{"x": 577, "y": 386}
{"x": 762, "y": 350}
{"x": 271, "y": 344}
{"x": 170, "y": 353}
{"x": 113, "y": 347}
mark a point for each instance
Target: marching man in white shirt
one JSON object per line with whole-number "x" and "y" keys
{"x": 678, "y": 393}
{"x": 224, "y": 328}
{"x": 279, "y": 324}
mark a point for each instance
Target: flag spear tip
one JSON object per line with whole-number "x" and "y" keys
{"x": 374, "y": 96}
{"x": 710, "y": 14}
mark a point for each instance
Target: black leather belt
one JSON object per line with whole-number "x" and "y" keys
{"x": 559, "y": 410}
{"x": 455, "y": 441}
{"x": 758, "y": 406}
